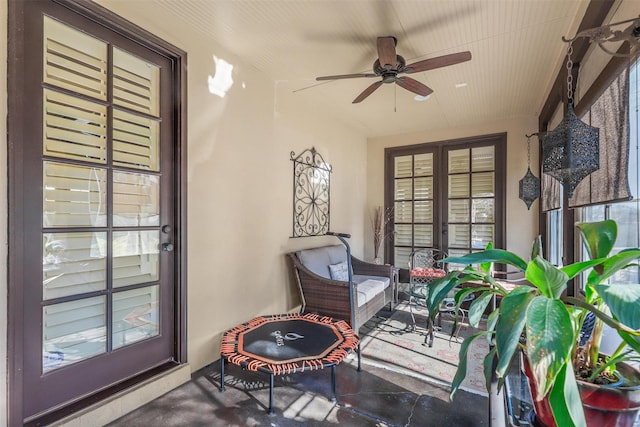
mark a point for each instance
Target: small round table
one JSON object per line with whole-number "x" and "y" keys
{"x": 287, "y": 344}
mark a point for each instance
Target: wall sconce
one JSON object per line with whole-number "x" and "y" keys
{"x": 530, "y": 184}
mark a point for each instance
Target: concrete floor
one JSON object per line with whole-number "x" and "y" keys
{"x": 372, "y": 397}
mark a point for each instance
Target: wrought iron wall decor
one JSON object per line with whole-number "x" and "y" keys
{"x": 529, "y": 184}
{"x": 311, "y": 185}
{"x": 606, "y": 33}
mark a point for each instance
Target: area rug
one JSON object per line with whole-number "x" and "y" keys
{"x": 389, "y": 341}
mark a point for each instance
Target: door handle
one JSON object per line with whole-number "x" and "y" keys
{"x": 167, "y": 247}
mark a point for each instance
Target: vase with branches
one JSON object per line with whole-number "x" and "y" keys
{"x": 381, "y": 217}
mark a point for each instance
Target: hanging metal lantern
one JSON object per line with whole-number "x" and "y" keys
{"x": 529, "y": 184}
{"x": 570, "y": 152}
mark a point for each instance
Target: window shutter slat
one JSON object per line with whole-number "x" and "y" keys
{"x": 74, "y": 128}
{"x": 135, "y": 141}
{"x": 74, "y": 60}
{"x": 135, "y": 83}
{"x": 73, "y": 196}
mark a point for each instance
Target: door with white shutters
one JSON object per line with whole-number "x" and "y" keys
{"x": 446, "y": 195}
{"x": 99, "y": 180}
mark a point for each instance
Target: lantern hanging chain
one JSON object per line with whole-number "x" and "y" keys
{"x": 569, "y": 74}
{"x": 528, "y": 152}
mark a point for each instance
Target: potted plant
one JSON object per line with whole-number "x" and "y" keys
{"x": 546, "y": 323}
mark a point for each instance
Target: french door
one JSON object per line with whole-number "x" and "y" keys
{"x": 447, "y": 195}
{"x": 96, "y": 223}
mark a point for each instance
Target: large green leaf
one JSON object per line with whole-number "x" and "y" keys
{"x": 492, "y": 321}
{"x": 550, "y": 280}
{"x": 461, "y": 373}
{"x": 485, "y": 267}
{"x": 599, "y": 237}
{"x": 630, "y": 340}
{"x": 613, "y": 264}
{"x": 565, "y": 401}
{"x": 511, "y": 323}
{"x": 440, "y": 288}
{"x": 478, "y": 307}
{"x": 572, "y": 270}
{"x": 488, "y": 368}
{"x": 550, "y": 338}
{"x": 490, "y": 255}
{"x": 623, "y": 301}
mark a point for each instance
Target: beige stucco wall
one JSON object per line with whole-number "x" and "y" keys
{"x": 240, "y": 185}
{"x": 522, "y": 224}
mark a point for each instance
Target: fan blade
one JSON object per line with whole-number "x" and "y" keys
{"x": 346, "y": 76}
{"x": 414, "y": 86}
{"x": 387, "y": 52}
{"x": 368, "y": 91}
{"x": 440, "y": 61}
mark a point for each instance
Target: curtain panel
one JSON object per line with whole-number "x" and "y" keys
{"x": 609, "y": 113}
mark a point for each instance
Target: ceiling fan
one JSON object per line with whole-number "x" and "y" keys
{"x": 389, "y": 65}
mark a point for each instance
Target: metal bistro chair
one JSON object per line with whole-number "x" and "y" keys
{"x": 425, "y": 266}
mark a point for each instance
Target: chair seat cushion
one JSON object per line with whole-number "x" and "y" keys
{"x": 368, "y": 289}
{"x": 359, "y": 278}
{"x": 428, "y": 272}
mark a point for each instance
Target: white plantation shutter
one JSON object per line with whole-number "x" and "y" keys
{"x": 445, "y": 196}
{"x": 135, "y": 257}
{"x": 135, "y": 315}
{"x": 76, "y": 112}
{"x": 84, "y": 321}
{"x": 413, "y": 205}
{"x": 74, "y": 60}
{"x": 74, "y": 263}
{"x": 74, "y": 196}
{"x": 135, "y": 83}
{"x": 135, "y": 199}
{"x": 471, "y": 198}
{"x": 135, "y": 141}
{"x": 74, "y": 128}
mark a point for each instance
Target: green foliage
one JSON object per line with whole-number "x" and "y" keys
{"x": 550, "y": 320}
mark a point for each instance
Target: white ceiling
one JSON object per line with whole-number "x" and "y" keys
{"x": 516, "y": 52}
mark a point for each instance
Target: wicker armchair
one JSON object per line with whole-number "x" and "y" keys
{"x": 323, "y": 295}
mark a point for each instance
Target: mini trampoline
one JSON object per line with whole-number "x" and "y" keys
{"x": 287, "y": 344}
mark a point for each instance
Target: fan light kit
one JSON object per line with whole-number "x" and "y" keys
{"x": 389, "y": 65}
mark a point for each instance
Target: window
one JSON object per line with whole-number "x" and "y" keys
{"x": 447, "y": 195}
{"x": 626, "y": 214}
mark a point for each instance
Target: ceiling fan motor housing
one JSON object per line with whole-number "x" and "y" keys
{"x": 389, "y": 75}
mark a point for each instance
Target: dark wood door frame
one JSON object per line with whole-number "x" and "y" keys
{"x": 19, "y": 55}
{"x": 499, "y": 140}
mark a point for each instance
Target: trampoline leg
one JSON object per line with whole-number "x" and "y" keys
{"x": 333, "y": 383}
{"x": 270, "y": 394}
{"x": 222, "y": 374}
{"x": 359, "y": 357}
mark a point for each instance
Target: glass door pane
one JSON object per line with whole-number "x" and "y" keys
{"x": 471, "y": 198}
{"x": 413, "y": 205}
{"x": 111, "y": 271}
{"x": 446, "y": 195}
